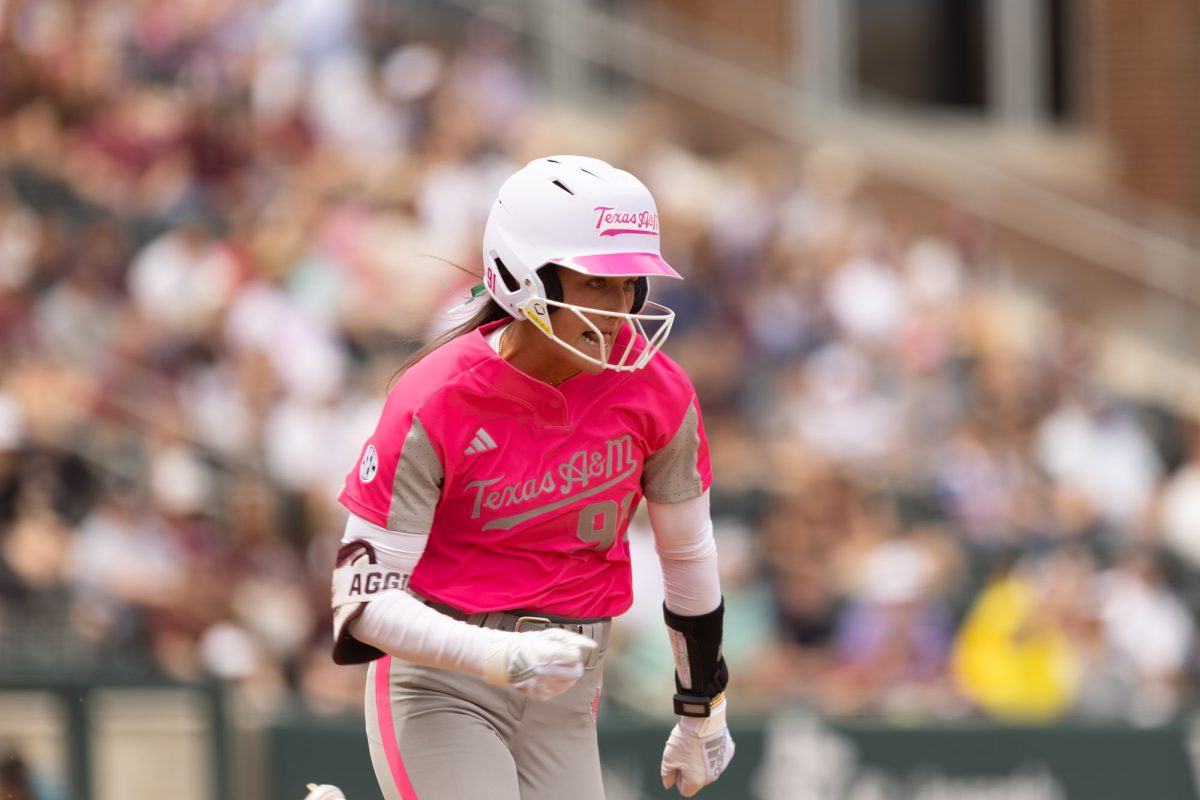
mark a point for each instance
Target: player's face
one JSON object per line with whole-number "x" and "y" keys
{"x": 591, "y": 291}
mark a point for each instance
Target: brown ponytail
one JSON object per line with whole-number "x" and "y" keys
{"x": 491, "y": 312}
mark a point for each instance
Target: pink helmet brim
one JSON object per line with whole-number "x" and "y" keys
{"x": 620, "y": 264}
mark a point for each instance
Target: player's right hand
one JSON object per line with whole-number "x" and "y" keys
{"x": 542, "y": 664}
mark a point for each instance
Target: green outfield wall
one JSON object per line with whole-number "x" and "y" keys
{"x": 795, "y": 755}
{"x": 111, "y": 740}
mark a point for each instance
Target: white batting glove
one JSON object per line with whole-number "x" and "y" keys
{"x": 697, "y": 752}
{"x": 324, "y": 791}
{"x": 542, "y": 664}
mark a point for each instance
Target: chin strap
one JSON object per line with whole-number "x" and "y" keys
{"x": 700, "y": 671}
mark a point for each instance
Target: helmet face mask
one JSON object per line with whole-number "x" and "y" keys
{"x": 584, "y": 215}
{"x": 627, "y": 352}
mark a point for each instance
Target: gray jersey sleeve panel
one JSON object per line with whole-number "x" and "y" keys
{"x": 670, "y": 475}
{"x": 417, "y": 485}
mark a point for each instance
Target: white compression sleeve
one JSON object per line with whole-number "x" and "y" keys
{"x": 401, "y": 625}
{"x": 683, "y": 538}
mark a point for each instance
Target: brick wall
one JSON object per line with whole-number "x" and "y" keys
{"x": 1148, "y": 96}
{"x": 761, "y": 26}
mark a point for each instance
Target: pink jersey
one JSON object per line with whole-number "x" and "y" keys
{"x": 525, "y": 489}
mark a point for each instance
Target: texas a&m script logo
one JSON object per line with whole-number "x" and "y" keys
{"x": 614, "y": 222}
{"x": 584, "y": 474}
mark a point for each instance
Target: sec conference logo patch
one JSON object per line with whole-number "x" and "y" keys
{"x": 369, "y": 466}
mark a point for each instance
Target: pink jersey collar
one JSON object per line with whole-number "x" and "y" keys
{"x": 551, "y": 404}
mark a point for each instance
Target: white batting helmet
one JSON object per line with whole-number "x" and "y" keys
{"x": 586, "y": 215}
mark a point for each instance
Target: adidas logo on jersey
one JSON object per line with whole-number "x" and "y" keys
{"x": 480, "y": 444}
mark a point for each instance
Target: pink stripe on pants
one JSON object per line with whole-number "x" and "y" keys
{"x": 387, "y": 728}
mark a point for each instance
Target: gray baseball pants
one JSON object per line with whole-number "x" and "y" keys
{"x": 438, "y": 734}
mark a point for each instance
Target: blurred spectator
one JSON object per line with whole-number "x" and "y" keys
{"x": 893, "y": 635}
{"x": 839, "y": 413}
{"x": 1015, "y": 654}
{"x": 978, "y": 477}
{"x": 223, "y": 226}
{"x": 1149, "y": 632}
{"x": 1180, "y": 506}
{"x": 125, "y": 568}
{"x": 179, "y": 282}
{"x": 1100, "y": 451}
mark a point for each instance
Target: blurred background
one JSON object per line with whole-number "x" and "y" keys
{"x": 943, "y": 276}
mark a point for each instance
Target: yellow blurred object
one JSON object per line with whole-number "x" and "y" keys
{"x": 1012, "y": 658}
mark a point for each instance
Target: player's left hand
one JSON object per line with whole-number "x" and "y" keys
{"x": 697, "y": 752}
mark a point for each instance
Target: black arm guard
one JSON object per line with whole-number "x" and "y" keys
{"x": 700, "y": 671}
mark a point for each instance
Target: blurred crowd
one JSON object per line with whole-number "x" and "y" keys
{"x": 224, "y": 223}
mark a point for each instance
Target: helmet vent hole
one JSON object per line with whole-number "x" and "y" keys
{"x": 510, "y": 282}
{"x": 589, "y": 172}
{"x": 553, "y": 160}
{"x": 562, "y": 186}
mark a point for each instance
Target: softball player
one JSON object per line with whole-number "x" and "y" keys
{"x": 485, "y": 552}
